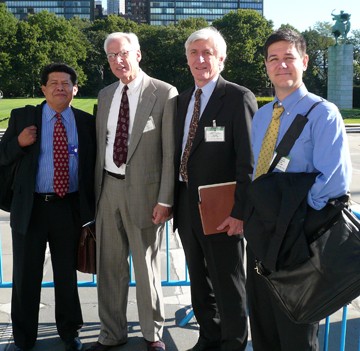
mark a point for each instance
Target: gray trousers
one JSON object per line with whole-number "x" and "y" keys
{"x": 116, "y": 235}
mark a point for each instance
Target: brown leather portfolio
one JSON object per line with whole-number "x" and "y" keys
{"x": 215, "y": 204}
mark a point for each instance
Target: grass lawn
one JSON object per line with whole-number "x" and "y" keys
{"x": 351, "y": 116}
{"x": 6, "y": 105}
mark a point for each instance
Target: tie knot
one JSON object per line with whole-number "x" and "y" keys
{"x": 125, "y": 88}
{"x": 58, "y": 116}
{"x": 197, "y": 94}
{"x": 278, "y": 110}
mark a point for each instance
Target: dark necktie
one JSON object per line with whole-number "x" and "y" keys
{"x": 122, "y": 131}
{"x": 192, "y": 130}
{"x": 61, "y": 158}
{"x": 269, "y": 142}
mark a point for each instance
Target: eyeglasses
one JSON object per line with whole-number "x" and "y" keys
{"x": 113, "y": 56}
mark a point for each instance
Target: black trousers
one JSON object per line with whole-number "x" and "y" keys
{"x": 271, "y": 329}
{"x": 58, "y": 224}
{"x": 217, "y": 277}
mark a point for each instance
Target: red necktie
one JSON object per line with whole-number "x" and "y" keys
{"x": 122, "y": 131}
{"x": 192, "y": 130}
{"x": 61, "y": 158}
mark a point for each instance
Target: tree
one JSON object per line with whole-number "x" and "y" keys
{"x": 42, "y": 39}
{"x": 245, "y": 32}
{"x": 7, "y": 40}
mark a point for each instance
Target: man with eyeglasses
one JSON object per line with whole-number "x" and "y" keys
{"x": 134, "y": 192}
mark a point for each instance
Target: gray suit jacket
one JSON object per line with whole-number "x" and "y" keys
{"x": 149, "y": 168}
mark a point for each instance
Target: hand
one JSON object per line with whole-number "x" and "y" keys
{"x": 161, "y": 214}
{"x": 27, "y": 136}
{"x": 235, "y": 226}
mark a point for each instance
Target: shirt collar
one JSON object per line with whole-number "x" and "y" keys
{"x": 50, "y": 113}
{"x": 291, "y": 100}
{"x": 208, "y": 89}
{"x": 135, "y": 84}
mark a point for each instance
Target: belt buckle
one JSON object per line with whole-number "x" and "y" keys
{"x": 47, "y": 197}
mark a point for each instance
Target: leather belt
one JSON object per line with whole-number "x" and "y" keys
{"x": 115, "y": 175}
{"x": 50, "y": 197}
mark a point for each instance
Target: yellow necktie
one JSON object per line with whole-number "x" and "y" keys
{"x": 269, "y": 142}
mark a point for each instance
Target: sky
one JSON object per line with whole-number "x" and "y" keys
{"x": 305, "y": 13}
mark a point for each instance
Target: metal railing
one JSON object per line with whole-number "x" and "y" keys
{"x": 168, "y": 281}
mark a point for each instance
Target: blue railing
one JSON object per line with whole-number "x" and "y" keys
{"x": 168, "y": 281}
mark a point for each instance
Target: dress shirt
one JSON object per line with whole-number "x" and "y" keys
{"x": 322, "y": 146}
{"x": 133, "y": 94}
{"x": 45, "y": 174}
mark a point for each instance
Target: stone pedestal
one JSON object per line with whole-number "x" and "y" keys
{"x": 340, "y": 75}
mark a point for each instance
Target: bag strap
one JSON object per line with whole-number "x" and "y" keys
{"x": 291, "y": 135}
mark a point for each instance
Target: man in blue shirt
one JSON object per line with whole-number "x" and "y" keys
{"x": 322, "y": 148}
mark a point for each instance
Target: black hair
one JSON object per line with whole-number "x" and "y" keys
{"x": 58, "y": 67}
{"x": 289, "y": 35}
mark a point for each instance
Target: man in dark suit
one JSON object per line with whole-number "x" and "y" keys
{"x": 219, "y": 152}
{"x": 41, "y": 211}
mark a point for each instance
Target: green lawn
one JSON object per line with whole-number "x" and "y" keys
{"x": 6, "y": 105}
{"x": 351, "y": 116}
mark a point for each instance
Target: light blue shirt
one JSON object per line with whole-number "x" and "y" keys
{"x": 45, "y": 173}
{"x": 322, "y": 146}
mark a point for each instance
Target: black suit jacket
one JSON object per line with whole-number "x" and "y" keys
{"x": 231, "y": 106}
{"x": 27, "y": 163}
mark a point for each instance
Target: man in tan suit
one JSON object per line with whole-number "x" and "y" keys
{"x": 134, "y": 196}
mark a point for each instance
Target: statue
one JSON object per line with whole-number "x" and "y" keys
{"x": 341, "y": 26}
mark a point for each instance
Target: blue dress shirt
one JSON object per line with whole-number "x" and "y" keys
{"x": 322, "y": 146}
{"x": 45, "y": 173}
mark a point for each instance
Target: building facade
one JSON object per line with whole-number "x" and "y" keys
{"x": 165, "y": 12}
{"x": 68, "y": 9}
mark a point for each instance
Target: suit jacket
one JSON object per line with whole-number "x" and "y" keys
{"x": 232, "y": 107}
{"x": 149, "y": 165}
{"x": 27, "y": 163}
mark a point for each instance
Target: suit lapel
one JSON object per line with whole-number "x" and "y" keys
{"x": 147, "y": 100}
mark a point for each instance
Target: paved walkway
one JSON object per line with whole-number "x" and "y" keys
{"x": 177, "y": 300}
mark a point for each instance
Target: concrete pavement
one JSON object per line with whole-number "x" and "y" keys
{"x": 177, "y": 299}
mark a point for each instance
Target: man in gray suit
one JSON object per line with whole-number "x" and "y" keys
{"x": 134, "y": 192}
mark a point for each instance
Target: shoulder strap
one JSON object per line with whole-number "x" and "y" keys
{"x": 291, "y": 135}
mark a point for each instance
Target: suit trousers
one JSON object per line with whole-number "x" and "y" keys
{"x": 216, "y": 270}
{"x": 56, "y": 223}
{"x": 271, "y": 329}
{"x": 116, "y": 237}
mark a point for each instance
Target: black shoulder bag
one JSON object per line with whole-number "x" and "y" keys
{"x": 330, "y": 278}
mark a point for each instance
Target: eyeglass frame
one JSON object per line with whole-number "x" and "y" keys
{"x": 112, "y": 56}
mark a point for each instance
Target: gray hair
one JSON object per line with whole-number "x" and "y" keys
{"x": 209, "y": 33}
{"x": 130, "y": 37}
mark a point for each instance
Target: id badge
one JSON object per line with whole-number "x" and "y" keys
{"x": 73, "y": 150}
{"x": 283, "y": 164}
{"x": 214, "y": 133}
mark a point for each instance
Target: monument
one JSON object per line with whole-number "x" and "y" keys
{"x": 340, "y": 67}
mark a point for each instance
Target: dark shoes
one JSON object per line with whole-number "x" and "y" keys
{"x": 155, "y": 345}
{"x": 100, "y": 347}
{"x": 73, "y": 345}
{"x": 203, "y": 345}
{"x": 16, "y": 348}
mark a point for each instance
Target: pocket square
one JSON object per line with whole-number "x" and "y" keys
{"x": 150, "y": 125}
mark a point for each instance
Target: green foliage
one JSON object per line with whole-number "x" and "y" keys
{"x": 27, "y": 46}
{"x": 245, "y": 32}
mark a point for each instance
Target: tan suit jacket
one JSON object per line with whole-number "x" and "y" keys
{"x": 149, "y": 166}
